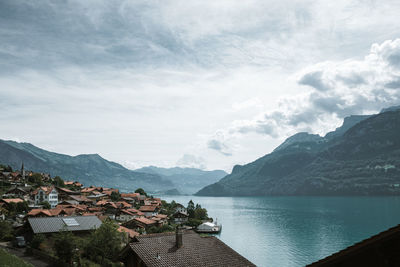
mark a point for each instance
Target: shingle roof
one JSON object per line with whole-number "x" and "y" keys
{"x": 55, "y": 224}
{"x": 12, "y": 200}
{"x": 159, "y": 250}
{"x": 147, "y": 208}
{"x": 46, "y": 189}
{"x": 145, "y": 220}
{"x": 374, "y": 247}
{"x": 130, "y": 232}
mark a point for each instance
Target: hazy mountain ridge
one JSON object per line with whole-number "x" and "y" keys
{"x": 89, "y": 169}
{"x": 186, "y": 180}
{"x": 360, "y": 158}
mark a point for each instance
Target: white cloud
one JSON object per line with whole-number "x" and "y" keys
{"x": 338, "y": 89}
{"x": 191, "y": 161}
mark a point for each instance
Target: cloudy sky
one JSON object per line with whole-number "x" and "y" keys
{"x": 206, "y": 84}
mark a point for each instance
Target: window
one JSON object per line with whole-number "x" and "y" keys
{"x": 70, "y": 222}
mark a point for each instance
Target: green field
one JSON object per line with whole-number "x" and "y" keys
{"x": 9, "y": 260}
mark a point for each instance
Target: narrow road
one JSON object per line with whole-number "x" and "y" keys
{"x": 20, "y": 253}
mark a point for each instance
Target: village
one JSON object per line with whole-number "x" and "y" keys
{"x": 99, "y": 225}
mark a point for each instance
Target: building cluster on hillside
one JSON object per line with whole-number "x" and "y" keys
{"x": 134, "y": 212}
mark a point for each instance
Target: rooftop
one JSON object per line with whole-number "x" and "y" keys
{"x": 158, "y": 250}
{"x": 55, "y": 224}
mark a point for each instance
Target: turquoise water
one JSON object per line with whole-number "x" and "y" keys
{"x": 294, "y": 231}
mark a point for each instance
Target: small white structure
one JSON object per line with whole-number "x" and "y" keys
{"x": 208, "y": 227}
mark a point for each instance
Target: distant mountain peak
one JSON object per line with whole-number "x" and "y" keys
{"x": 299, "y": 138}
{"x": 392, "y": 108}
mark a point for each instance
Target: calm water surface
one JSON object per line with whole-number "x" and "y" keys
{"x": 294, "y": 231}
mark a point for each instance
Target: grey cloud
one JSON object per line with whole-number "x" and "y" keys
{"x": 393, "y": 84}
{"x": 315, "y": 80}
{"x": 308, "y": 115}
{"x": 351, "y": 79}
{"x": 219, "y": 146}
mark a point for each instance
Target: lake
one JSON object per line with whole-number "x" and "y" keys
{"x": 294, "y": 231}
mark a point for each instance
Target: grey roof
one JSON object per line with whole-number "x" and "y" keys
{"x": 55, "y": 224}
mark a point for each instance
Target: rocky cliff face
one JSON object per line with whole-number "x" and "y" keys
{"x": 360, "y": 158}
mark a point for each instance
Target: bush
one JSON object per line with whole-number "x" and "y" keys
{"x": 6, "y": 231}
{"x": 45, "y": 205}
{"x": 37, "y": 240}
{"x": 104, "y": 243}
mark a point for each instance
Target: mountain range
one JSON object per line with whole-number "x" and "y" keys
{"x": 362, "y": 157}
{"x": 92, "y": 169}
{"x": 186, "y": 180}
{"x": 89, "y": 169}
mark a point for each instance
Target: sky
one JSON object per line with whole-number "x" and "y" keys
{"x": 205, "y": 84}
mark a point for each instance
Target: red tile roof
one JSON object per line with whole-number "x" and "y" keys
{"x": 145, "y": 221}
{"x": 162, "y": 216}
{"x": 12, "y": 200}
{"x": 88, "y": 189}
{"x": 36, "y": 212}
{"x": 46, "y": 189}
{"x": 147, "y": 208}
{"x": 130, "y": 232}
{"x": 123, "y": 204}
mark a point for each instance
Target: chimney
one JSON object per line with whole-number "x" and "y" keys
{"x": 179, "y": 235}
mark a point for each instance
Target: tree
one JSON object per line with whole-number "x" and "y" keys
{"x": 200, "y": 213}
{"x": 104, "y": 243}
{"x": 36, "y": 178}
{"x": 45, "y": 205}
{"x": 141, "y": 191}
{"x": 65, "y": 246}
{"x": 5, "y": 168}
{"x": 22, "y": 206}
{"x": 115, "y": 196}
{"x": 190, "y": 209}
{"x": 57, "y": 181}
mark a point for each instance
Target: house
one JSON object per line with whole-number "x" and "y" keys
{"x": 20, "y": 192}
{"x": 379, "y": 250}
{"x": 65, "y": 193}
{"x": 139, "y": 222}
{"x": 180, "y": 249}
{"x": 161, "y": 219}
{"x": 130, "y": 197}
{"x": 130, "y": 233}
{"x": 180, "y": 217}
{"x": 81, "y": 199}
{"x": 87, "y": 191}
{"x": 48, "y": 194}
{"x": 97, "y": 196}
{"x": 180, "y": 208}
{"x": 125, "y": 215}
{"x": 149, "y": 211}
{"x": 49, "y": 225}
{"x": 8, "y": 201}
